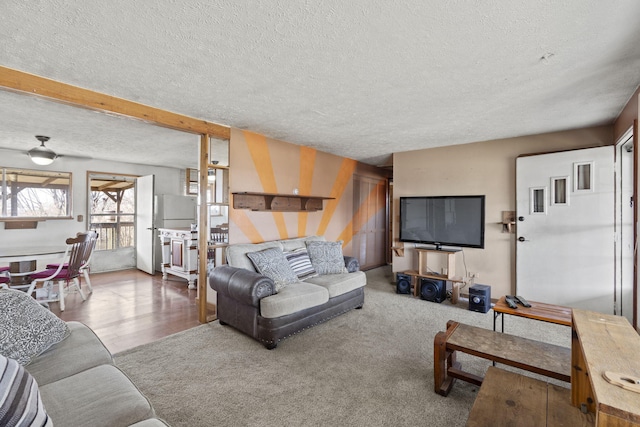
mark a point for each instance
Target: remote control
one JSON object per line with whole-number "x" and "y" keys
{"x": 522, "y": 301}
{"x": 510, "y": 301}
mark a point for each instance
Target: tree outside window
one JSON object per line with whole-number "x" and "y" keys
{"x": 28, "y": 193}
{"x": 112, "y": 210}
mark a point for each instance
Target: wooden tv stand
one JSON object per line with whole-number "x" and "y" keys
{"x": 423, "y": 270}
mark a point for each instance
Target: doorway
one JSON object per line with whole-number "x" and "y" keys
{"x": 624, "y": 226}
{"x": 566, "y": 250}
{"x": 112, "y": 211}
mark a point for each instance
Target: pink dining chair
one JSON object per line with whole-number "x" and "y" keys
{"x": 77, "y": 252}
{"x": 85, "y": 267}
{"x": 5, "y": 277}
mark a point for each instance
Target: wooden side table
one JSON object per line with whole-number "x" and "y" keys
{"x": 551, "y": 313}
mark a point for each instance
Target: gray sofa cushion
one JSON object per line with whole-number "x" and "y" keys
{"x": 237, "y": 254}
{"x": 272, "y": 263}
{"x": 98, "y": 397}
{"x": 82, "y": 350}
{"x": 295, "y": 297}
{"x": 338, "y": 284}
{"x": 326, "y": 257}
{"x": 27, "y": 328}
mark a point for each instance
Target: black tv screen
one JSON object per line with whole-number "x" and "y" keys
{"x": 443, "y": 220}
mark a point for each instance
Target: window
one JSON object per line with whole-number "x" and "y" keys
{"x": 30, "y": 193}
{"x": 583, "y": 176}
{"x": 538, "y": 197}
{"x": 560, "y": 190}
{"x": 112, "y": 210}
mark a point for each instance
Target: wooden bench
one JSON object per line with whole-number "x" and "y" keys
{"x": 510, "y": 399}
{"x": 541, "y": 358}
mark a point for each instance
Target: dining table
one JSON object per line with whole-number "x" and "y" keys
{"x": 22, "y": 260}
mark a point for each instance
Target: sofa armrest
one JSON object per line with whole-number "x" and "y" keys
{"x": 246, "y": 287}
{"x": 351, "y": 263}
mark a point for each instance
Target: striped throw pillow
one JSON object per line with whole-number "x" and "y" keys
{"x": 20, "y": 402}
{"x": 301, "y": 263}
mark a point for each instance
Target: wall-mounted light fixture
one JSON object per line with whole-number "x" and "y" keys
{"x": 42, "y": 155}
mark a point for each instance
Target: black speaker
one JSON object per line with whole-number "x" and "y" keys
{"x": 480, "y": 298}
{"x": 403, "y": 283}
{"x": 433, "y": 290}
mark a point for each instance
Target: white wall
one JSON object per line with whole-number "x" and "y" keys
{"x": 167, "y": 181}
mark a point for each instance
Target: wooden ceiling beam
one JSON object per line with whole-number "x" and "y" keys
{"x": 19, "y": 81}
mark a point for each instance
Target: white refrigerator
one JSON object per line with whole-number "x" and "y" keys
{"x": 171, "y": 211}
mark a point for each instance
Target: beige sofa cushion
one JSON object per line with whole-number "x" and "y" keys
{"x": 289, "y": 245}
{"x": 292, "y": 299}
{"x": 237, "y": 254}
{"x": 99, "y": 397}
{"x": 338, "y": 284}
{"x": 82, "y": 350}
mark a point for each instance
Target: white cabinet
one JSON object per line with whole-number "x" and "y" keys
{"x": 180, "y": 254}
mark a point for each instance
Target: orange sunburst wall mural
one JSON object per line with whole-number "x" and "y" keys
{"x": 264, "y": 165}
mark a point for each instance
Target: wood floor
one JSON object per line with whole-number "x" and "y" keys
{"x": 129, "y": 308}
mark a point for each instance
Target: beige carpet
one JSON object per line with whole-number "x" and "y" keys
{"x": 369, "y": 367}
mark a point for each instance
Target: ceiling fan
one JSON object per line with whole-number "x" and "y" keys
{"x": 42, "y": 155}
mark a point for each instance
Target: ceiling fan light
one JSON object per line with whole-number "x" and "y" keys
{"x": 42, "y": 155}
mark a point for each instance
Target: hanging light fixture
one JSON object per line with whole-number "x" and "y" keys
{"x": 42, "y": 155}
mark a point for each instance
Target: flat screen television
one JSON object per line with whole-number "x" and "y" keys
{"x": 443, "y": 220}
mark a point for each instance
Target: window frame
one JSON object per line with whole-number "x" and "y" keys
{"x": 39, "y": 173}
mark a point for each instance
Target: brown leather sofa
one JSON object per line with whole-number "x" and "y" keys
{"x": 248, "y": 301}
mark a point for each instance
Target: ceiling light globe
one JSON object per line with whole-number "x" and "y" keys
{"x": 42, "y": 155}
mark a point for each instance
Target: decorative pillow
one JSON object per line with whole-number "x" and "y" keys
{"x": 20, "y": 402}
{"x": 326, "y": 257}
{"x": 300, "y": 263}
{"x": 272, "y": 263}
{"x": 26, "y": 328}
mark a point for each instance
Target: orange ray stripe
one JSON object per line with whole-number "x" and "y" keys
{"x": 343, "y": 178}
{"x": 243, "y": 222}
{"x": 261, "y": 157}
{"x": 362, "y": 215}
{"x": 307, "y": 163}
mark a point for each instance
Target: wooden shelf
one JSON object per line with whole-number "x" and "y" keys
{"x": 422, "y": 263}
{"x": 278, "y": 202}
{"x": 455, "y": 279}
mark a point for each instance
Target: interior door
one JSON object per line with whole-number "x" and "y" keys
{"x": 370, "y": 220}
{"x": 145, "y": 230}
{"x": 565, "y": 228}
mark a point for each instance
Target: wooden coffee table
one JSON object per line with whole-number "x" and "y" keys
{"x": 551, "y": 313}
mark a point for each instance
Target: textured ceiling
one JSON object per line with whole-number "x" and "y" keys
{"x": 360, "y": 79}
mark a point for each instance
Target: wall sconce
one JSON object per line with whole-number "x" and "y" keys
{"x": 42, "y": 155}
